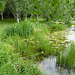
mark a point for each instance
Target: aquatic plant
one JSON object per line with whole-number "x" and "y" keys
{"x": 67, "y": 58}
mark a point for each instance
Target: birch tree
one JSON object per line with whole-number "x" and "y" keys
{"x": 2, "y": 7}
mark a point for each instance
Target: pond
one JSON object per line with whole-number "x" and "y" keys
{"x": 49, "y": 67}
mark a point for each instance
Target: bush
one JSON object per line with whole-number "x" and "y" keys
{"x": 67, "y": 59}
{"x": 22, "y": 29}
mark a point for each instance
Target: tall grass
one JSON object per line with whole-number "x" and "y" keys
{"x": 19, "y": 68}
{"x": 20, "y": 44}
{"x": 57, "y": 27}
{"x": 67, "y": 59}
{"x": 23, "y": 29}
{"x": 6, "y": 53}
{"x": 42, "y": 43}
{"x": 12, "y": 64}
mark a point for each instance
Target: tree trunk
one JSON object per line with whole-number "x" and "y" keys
{"x": 18, "y": 20}
{"x": 14, "y": 16}
{"x": 56, "y": 21}
{"x": 2, "y": 15}
{"x": 25, "y": 17}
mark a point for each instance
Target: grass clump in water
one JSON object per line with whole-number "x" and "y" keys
{"x": 67, "y": 59}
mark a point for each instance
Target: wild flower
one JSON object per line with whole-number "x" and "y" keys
{"x": 15, "y": 27}
{"x": 25, "y": 67}
{"x": 31, "y": 65}
{"x": 19, "y": 68}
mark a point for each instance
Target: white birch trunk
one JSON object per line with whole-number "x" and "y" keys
{"x": 26, "y": 17}
{"x": 2, "y": 15}
{"x": 18, "y": 20}
{"x": 56, "y": 21}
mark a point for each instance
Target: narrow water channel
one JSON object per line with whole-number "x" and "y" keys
{"x": 48, "y": 65}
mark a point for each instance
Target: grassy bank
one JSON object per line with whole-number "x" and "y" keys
{"x": 12, "y": 64}
{"x": 29, "y": 42}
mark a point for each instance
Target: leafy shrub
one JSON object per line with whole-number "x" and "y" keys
{"x": 22, "y": 29}
{"x": 67, "y": 59}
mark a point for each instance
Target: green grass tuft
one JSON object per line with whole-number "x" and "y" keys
{"x": 67, "y": 59}
{"x": 23, "y": 29}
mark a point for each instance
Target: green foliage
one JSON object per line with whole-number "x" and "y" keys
{"x": 11, "y": 63}
{"x": 5, "y": 53}
{"x": 23, "y": 29}
{"x": 20, "y": 44}
{"x": 53, "y": 10}
{"x": 18, "y": 67}
{"x": 0, "y": 6}
{"x": 28, "y": 68}
{"x": 42, "y": 43}
{"x": 8, "y": 69}
{"x": 67, "y": 59}
{"x": 57, "y": 27}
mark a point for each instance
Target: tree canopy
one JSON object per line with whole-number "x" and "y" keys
{"x": 49, "y": 9}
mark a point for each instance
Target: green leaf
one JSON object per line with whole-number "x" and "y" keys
{"x": 1, "y": 6}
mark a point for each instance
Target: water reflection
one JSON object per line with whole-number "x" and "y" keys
{"x": 48, "y": 67}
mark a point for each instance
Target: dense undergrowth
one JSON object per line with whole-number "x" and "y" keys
{"x": 12, "y": 64}
{"x": 25, "y": 43}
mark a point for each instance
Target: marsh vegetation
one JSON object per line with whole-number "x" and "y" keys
{"x": 38, "y": 38}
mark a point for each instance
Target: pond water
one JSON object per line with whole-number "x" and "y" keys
{"x": 71, "y": 34}
{"x": 48, "y": 65}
